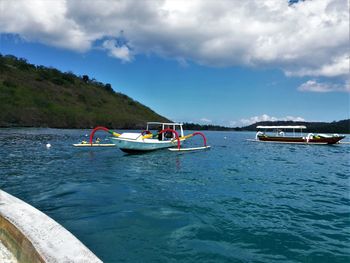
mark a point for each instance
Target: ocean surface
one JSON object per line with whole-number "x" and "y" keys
{"x": 240, "y": 201}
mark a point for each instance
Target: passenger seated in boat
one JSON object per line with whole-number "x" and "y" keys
{"x": 168, "y": 135}
{"x": 159, "y": 134}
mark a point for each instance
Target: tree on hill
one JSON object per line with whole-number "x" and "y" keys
{"x": 85, "y": 78}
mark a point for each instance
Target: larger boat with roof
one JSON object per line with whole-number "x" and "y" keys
{"x": 294, "y": 134}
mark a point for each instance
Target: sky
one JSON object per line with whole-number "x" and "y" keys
{"x": 217, "y": 62}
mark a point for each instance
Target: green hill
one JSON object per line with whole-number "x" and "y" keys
{"x": 38, "y": 96}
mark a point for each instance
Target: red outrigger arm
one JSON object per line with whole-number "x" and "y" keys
{"x": 203, "y": 136}
{"x": 187, "y": 136}
{"x": 176, "y": 135}
{"x": 97, "y": 129}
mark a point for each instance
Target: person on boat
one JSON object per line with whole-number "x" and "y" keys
{"x": 168, "y": 134}
{"x": 159, "y": 134}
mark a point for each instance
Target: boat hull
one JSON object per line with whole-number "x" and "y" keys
{"x": 146, "y": 145}
{"x": 303, "y": 140}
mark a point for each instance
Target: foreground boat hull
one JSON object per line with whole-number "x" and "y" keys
{"x": 146, "y": 145}
{"x": 302, "y": 140}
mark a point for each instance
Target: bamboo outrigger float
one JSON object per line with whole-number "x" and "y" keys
{"x": 168, "y": 135}
{"x": 280, "y": 137}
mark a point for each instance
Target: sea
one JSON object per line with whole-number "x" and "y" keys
{"x": 240, "y": 201}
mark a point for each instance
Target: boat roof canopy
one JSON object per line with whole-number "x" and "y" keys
{"x": 281, "y": 127}
{"x": 165, "y": 123}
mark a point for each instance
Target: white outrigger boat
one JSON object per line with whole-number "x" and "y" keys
{"x": 166, "y": 135}
{"x": 281, "y": 137}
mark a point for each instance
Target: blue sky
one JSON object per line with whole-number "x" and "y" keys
{"x": 214, "y": 74}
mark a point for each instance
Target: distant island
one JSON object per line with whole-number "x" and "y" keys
{"x": 342, "y": 126}
{"x": 39, "y": 96}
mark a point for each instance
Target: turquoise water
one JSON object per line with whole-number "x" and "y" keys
{"x": 238, "y": 202}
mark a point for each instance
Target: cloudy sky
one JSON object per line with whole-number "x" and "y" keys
{"x": 210, "y": 61}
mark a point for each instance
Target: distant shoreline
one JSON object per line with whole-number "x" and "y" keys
{"x": 342, "y": 126}
{"x": 317, "y": 127}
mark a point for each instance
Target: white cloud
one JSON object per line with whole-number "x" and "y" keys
{"x": 265, "y": 117}
{"x": 232, "y": 123}
{"x": 206, "y": 120}
{"x": 338, "y": 67}
{"x": 309, "y": 38}
{"x": 122, "y": 52}
{"x": 45, "y": 22}
{"x": 255, "y": 119}
{"x": 314, "y": 86}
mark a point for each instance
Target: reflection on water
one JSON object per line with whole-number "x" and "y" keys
{"x": 239, "y": 201}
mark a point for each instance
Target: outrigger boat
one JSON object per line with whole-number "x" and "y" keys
{"x": 167, "y": 135}
{"x": 280, "y": 137}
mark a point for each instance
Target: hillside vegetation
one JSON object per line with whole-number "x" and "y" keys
{"x": 39, "y": 96}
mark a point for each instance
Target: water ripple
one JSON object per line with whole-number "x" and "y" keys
{"x": 239, "y": 202}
